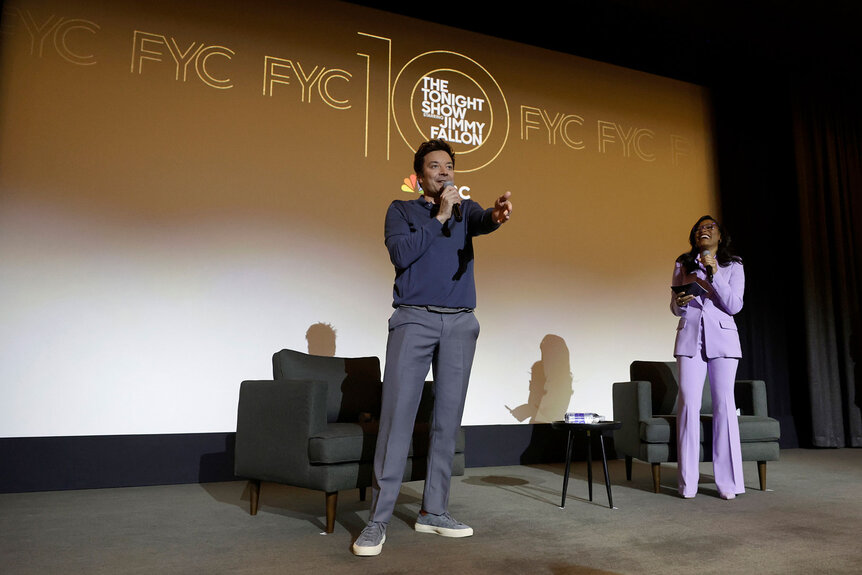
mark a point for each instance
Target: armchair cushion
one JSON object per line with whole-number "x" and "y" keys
{"x": 350, "y": 442}
{"x": 755, "y": 428}
{"x": 750, "y": 397}
{"x": 657, "y": 429}
{"x": 347, "y": 381}
{"x": 341, "y": 443}
{"x": 662, "y": 378}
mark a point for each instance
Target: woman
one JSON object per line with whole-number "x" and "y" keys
{"x": 707, "y": 341}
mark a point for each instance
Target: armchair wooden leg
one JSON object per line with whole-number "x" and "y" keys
{"x": 253, "y": 495}
{"x": 628, "y": 467}
{"x": 656, "y": 477}
{"x": 331, "y": 504}
{"x": 761, "y": 473}
{"x": 362, "y": 493}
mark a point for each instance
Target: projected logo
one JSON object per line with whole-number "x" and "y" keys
{"x": 447, "y": 95}
{"x": 410, "y": 185}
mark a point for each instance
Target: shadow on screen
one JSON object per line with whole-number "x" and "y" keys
{"x": 550, "y": 385}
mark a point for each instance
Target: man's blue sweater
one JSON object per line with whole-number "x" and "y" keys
{"x": 433, "y": 261}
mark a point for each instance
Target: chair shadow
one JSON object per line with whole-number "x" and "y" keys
{"x": 297, "y": 503}
{"x": 643, "y": 481}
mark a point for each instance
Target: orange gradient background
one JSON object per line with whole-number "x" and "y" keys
{"x": 161, "y": 237}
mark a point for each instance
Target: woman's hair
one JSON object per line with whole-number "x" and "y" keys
{"x": 723, "y": 254}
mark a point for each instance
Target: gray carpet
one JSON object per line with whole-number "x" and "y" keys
{"x": 808, "y": 522}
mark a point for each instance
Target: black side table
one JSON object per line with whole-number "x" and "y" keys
{"x": 599, "y": 428}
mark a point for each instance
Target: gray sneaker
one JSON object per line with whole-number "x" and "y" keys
{"x": 444, "y": 525}
{"x": 370, "y": 541}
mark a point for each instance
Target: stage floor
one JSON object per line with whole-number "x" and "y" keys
{"x": 808, "y": 521}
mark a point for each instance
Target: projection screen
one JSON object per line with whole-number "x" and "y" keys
{"x": 188, "y": 187}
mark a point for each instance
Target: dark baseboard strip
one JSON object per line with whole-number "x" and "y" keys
{"x": 94, "y": 462}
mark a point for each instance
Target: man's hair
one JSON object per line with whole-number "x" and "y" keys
{"x": 426, "y": 148}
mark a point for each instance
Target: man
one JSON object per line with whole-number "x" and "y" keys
{"x": 431, "y": 246}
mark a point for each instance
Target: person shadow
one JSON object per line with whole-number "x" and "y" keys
{"x": 550, "y": 388}
{"x": 321, "y": 339}
{"x": 550, "y": 391}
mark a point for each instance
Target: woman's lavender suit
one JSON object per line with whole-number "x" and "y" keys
{"x": 707, "y": 340}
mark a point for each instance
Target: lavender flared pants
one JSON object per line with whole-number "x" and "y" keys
{"x": 726, "y": 450}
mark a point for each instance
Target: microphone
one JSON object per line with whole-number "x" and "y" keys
{"x": 703, "y": 254}
{"x": 456, "y": 208}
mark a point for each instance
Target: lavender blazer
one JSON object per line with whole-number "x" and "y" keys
{"x": 716, "y": 308}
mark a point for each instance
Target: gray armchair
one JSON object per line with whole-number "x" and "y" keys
{"x": 646, "y": 406}
{"x": 315, "y": 426}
